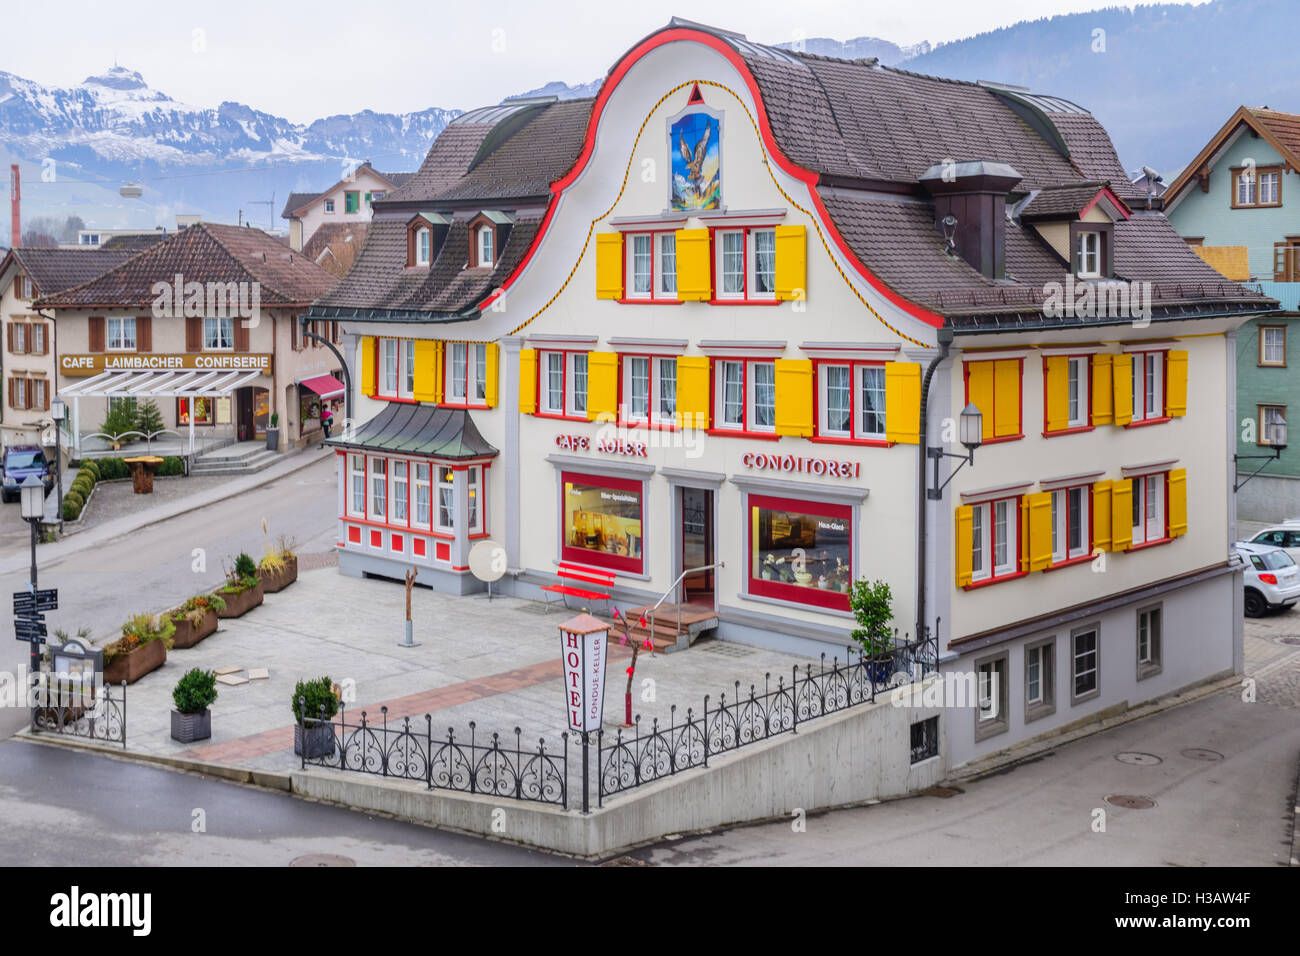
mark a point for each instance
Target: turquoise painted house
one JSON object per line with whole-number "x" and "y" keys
{"x": 1238, "y": 204}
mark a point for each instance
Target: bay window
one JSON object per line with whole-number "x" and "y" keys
{"x": 475, "y": 515}
{"x": 357, "y": 485}
{"x": 446, "y": 499}
{"x": 421, "y": 517}
{"x": 745, "y": 262}
{"x": 1071, "y": 536}
{"x": 1148, "y": 494}
{"x": 800, "y": 551}
{"x": 121, "y": 334}
{"x": 852, "y": 401}
{"x": 995, "y": 539}
{"x": 398, "y": 495}
{"x": 1148, "y": 386}
{"x": 378, "y": 489}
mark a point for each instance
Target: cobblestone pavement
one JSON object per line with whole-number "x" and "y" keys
{"x": 114, "y": 499}
{"x": 1272, "y": 648}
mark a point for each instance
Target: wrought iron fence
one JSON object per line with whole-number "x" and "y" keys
{"x": 93, "y": 712}
{"x": 661, "y": 751}
{"x": 408, "y": 751}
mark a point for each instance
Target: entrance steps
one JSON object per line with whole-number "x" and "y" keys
{"x": 241, "y": 458}
{"x": 663, "y": 630}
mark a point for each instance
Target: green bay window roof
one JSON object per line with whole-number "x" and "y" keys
{"x": 419, "y": 430}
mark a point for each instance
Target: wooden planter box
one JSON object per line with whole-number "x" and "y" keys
{"x": 241, "y": 602}
{"x": 187, "y": 634}
{"x": 272, "y": 582}
{"x": 131, "y": 667}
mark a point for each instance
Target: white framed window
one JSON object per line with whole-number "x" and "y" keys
{"x": 991, "y": 715}
{"x": 466, "y": 373}
{"x": 1245, "y": 188}
{"x": 446, "y": 499}
{"x": 378, "y": 489}
{"x": 1071, "y": 530}
{"x": 641, "y": 269}
{"x": 745, "y": 394}
{"x": 552, "y": 388}
{"x": 1269, "y": 188}
{"x": 1149, "y": 626}
{"x": 389, "y": 365}
{"x": 357, "y": 486}
{"x": 1089, "y": 254}
{"x": 651, "y": 265}
{"x": 121, "y": 334}
{"x": 852, "y": 401}
{"x": 762, "y": 396}
{"x": 745, "y": 263}
{"x": 1038, "y": 674}
{"x": 995, "y": 539}
{"x": 1148, "y": 385}
{"x": 38, "y": 393}
{"x": 1149, "y": 508}
{"x": 20, "y": 337}
{"x": 329, "y": 206}
{"x": 577, "y": 388}
{"x": 562, "y": 389}
{"x": 38, "y": 338}
{"x": 731, "y": 394}
{"x": 650, "y": 388}
{"x": 421, "y": 499}
{"x": 636, "y": 388}
{"x": 1078, "y": 391}
{"x": 408, "y": 368}
{"x": 1271, "y": 419}
{"x": 486, "y": 245}
{"x": 763, "y": 242}
{"x": 218, "y": 333}
{"x": 1272, "y": 345}
{"x": 731, "y": 264}
{"x": 665, "y": 390}
{"x": 399, "y": 491}
{"x": 423, "y": 246}
{"x": 667, "y": 265}
{"x": 473, "y": 482}
{"x": 1084, "y": 670}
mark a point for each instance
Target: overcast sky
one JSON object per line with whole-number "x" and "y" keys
{"x": 306, "y": 60}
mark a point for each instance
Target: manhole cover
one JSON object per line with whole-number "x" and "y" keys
{"x": 323, "y": 859}
{"x": 1130, "y": 802}
{"x": 1138, "y": 759}
{"x": 942, "y": 792}
{"x": 1288, "y": 640}
{"x": 1201, "y": 753}
{"x": 724, "y": 649}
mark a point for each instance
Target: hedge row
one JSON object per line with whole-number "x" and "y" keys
{"x": 94, "y": 470}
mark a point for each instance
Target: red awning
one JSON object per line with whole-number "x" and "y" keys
{"x": 325, "y": 386}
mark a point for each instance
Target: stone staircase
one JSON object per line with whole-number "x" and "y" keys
{"x": 241, "y": 458}
{"x": 666, "y": 636}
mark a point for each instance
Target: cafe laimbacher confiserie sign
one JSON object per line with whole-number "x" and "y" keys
{"x": 93, "y": 364}
{"x": 582, "y": 642}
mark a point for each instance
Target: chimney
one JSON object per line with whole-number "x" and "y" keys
{"x": 975, "y": 195}
{"x": 15, "y": 202}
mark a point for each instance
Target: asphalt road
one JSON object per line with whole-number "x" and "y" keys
{"x": 62, "y": 807}
{"x": 156, "y": 567}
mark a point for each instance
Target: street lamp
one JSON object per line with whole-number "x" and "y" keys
{"x": 1275, "y": 437}
{"x": 32, "y": 492}
{"x": 970, "y": 432}
{"x": 58, "y": 410}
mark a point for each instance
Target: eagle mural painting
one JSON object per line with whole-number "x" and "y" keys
{"x": 696, "y": 170}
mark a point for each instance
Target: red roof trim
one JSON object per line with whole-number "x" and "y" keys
{"x": 807, "y": 177}
{"x": 1124, "y": 210}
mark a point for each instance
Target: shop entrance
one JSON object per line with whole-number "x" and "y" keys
{"x": 695, "y": 510}
{"x": 244, "y": 414}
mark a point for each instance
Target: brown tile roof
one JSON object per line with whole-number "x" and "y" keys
{"x": 203, "y": 253}
{"x": 1285, "y": 127}
{"x": 53, "y": 270}
{"x": 295, "y": 202}
{"x": 1056, "y": 202}
{"x": 132, "y": 244}
{"x": 1281, "y": 130}
{"x": 331, "y": 232}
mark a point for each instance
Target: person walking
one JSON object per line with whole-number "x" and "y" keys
{"x": 326, "y": 418}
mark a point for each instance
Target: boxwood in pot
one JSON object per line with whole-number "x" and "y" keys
{"x": 313, "y": 701}
{"x": 194, "y": 693}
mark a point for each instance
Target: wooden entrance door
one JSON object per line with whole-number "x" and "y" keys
{"x": 244, "y": 414}
{"x": 695, "y": 506}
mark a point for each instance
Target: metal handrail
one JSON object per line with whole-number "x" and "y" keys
{"x": 673, "y": 587}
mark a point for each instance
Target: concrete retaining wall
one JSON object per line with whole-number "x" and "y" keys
{"x": 854, "y": 756}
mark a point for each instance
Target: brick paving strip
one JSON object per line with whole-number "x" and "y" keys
{"x": 412, "y": 705}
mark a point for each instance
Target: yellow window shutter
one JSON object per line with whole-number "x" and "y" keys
{"x": 965, "y": 544}
{"x": 1101, "y": 515}
{"x": 425, "y": 370}
{"x": 1056, "y": 392}
{"x": 367, "y": 363}
{"x": 979, "y": 392}
{"x": 1006, "y": 397}
{"x": 1176, "y": 387}
{"x": 693, "y": 391}
{"x": 693, "y": 272}
{"x": 1103, "y": 396}
{"x": 602, "y": 386}
{"x": 1040, "y": 530}
{"x": 1122, "y": 378}
{"x": 794, "y": 397}
{"x": 903, "y": 402}
{"x": 528, "y": 381}
{"x": 439, "y": 370}
{"x": 791, "y": 262}
{"x": 1023, "y": 528}
{"x": 1121, "y": 515}
{"x": 609, "y": 265}
{"x": 1177, "y": 502}
{"x": 492, "y": 383}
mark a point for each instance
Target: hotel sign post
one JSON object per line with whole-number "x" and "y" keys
{"x": 584, "y": 649}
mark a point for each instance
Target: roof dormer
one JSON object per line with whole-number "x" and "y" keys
{"x": 425, "y": 233}
{"x": 488, "y": 232}
{"x": 1078, "y": 222}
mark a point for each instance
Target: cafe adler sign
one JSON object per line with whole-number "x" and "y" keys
{"x": 95, "y": 363}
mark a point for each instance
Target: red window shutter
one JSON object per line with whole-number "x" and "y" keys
{"x": 10, "y": 343}
{"x": 144, "y": 333}
{"x": 27, "y": 393}
{"x": 241, "y": 335}
{"x": 45, "y": 397}
{"x": 96, "y": 337}
{"x": 194, "y": 333}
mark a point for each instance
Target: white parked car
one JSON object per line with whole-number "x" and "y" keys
{"x": 1285, "y": 536}
{"x": 1272, "y": 578}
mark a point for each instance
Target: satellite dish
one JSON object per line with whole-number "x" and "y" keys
{"x": 131, "y": 191}
{"x": 487, "y": 561}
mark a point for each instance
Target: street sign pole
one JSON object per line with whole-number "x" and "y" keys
{"x": 29, "y": 626}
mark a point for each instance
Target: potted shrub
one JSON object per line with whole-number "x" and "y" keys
{"x": 273, "y": 433}
{"x": 278, "y": 567}
{"x": 314, "y": 700}
{"x": 242, "y": 591}
{"x": 196, "y": 619}
{"x": 194, "y": 693}
{"x": 872, "y": 604}
{"x": 141, "y": 648}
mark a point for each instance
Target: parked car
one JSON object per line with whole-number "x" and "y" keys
{"x": 1272, "y": 578}
{"x": 1285, "y": 536}
{"x": 19, "y": 462}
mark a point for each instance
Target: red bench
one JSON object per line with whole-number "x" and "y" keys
{"x": 580, "y": 576}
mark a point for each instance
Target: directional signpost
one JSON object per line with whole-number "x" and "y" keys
{"x": 29, "y": 625}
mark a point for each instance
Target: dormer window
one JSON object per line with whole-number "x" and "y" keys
{"x": 421, "y": 239}
{"x": 1089, "y": 254}
{"x": 485, "y": 243}
{"x": 488, "y": 233}
{"x": 423, "y": 245}
{"x": 1091, "y": 249}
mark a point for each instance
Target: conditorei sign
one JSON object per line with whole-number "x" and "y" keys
{"x": 93, "y": 364}
{"x": 795, "y": 464}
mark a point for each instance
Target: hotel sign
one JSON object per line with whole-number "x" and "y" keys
{"x": 94, "y": 364}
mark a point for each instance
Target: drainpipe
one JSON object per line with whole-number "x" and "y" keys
{"x": 944, "y": 336}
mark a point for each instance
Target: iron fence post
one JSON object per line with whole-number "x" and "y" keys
{"x": 704, "y": 732}
{"x": 794, "y": 698}
{"x": 428, "y": 751}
